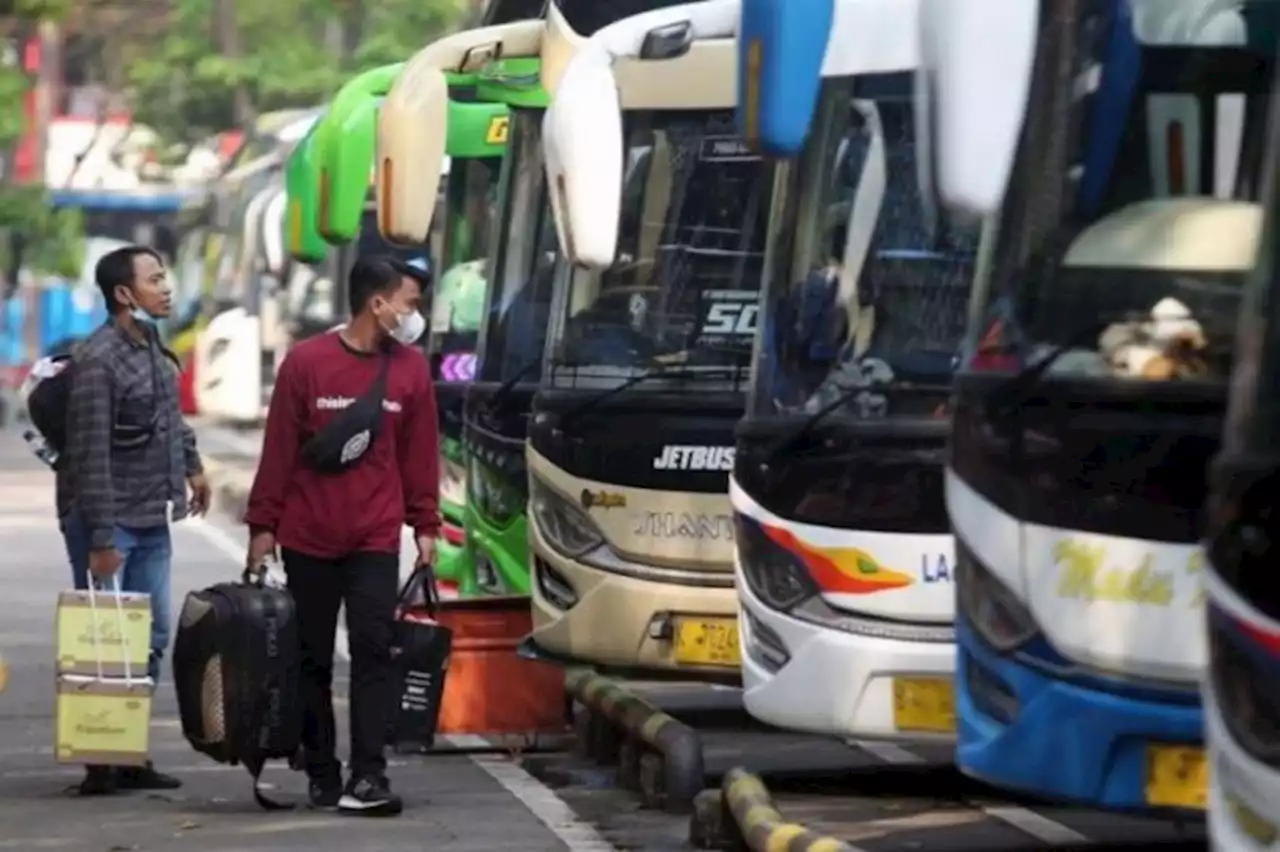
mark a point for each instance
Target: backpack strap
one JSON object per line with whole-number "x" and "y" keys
{"x": 264, "y": 802}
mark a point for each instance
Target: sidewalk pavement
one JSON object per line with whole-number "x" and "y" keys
{"x": 455, "y": 803}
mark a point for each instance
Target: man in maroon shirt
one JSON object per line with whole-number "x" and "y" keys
{"x": 339, "y": 532}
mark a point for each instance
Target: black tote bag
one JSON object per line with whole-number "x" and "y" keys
{"x": 421, "y": 648}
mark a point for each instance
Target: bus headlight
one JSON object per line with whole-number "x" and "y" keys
{"x": 453, "y": 482}
{"x": 776, "y": 576}
{"x": 985, "y": 602}
{"x": 1244, "y": 688}
{"x": 567, "y": 527}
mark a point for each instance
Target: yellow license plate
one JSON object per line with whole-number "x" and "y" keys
{"x": 1177, "y": 777}
{"x": 708, "y": 642}
{"x": 926, "y": 704}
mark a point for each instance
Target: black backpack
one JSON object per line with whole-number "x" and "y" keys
{"x": 50, "y": 399}
{"x": 48, "y": 402}
{"x": 237, "y": 669}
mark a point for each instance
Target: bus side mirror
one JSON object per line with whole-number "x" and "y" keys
{"x": 583, "y": 149}
{"x": 413, "y": 126}
{"x": 781, "y": 48}
{"x": 346, "y": 151}
{"x": 974, "y": 98}
{"x": 302, "y": 187}
{"x": 349, "y": 157}
{"x": 413, "y": 123}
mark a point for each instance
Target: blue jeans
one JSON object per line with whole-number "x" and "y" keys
{"x": 147, "y": 553}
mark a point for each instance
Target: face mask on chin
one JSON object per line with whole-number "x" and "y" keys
{"x": 139, "y": 315}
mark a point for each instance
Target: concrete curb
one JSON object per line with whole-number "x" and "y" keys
{"x": 658, "y": 754}
{"x": 756, "y": 822}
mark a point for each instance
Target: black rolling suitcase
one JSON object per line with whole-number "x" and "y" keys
{"x": 236, "y": 667}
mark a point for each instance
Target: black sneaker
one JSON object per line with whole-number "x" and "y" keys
{"x": 370, "y": 796}
{"x": 145, "y": 778}
{"x": 325, "y": 792}
{"x": 98, "y": 781}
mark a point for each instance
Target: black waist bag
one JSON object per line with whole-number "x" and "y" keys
{"x": 236, "y": 668}
{"x": 346, "y": 438}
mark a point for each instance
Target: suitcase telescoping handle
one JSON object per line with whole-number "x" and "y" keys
{"x": 421, "y": 582}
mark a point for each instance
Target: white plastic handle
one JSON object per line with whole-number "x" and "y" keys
{"x": 124, "y": 636}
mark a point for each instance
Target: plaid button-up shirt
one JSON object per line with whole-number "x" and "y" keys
{"x": 118, "y": 383}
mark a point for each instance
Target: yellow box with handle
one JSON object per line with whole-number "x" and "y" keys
{"x": 103, "y": 628}
{"x": 101, "y": 721}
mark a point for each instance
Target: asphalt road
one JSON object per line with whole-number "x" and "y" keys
{"x": 457, "y": 803}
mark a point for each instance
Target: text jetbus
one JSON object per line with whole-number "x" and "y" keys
{"x": 661, "y": 214}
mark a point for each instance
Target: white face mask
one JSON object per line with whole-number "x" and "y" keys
{"x": 409, "y": 328}
{"x": 138, "y": 314}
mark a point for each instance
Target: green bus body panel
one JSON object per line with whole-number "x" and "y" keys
{"x": 452, "y": 560}
{"x": 302, "y": 236}
{"x": 506, "y": 548}
{"x": 514, "y": 82}
{"x": 348, "y": 138}
{"x": 477, "y": 129}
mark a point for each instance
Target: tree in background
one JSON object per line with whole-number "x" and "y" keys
{"x": 217, "y": 64}
{"x": 32, "y": 233}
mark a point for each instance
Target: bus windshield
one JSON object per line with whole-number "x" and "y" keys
{"x": 518, "y": 304}
{"x": 1131, "y": 216}
{"x": 458, "y": 303}
{"x": 868, "y": 288}
{"x": 686, "y": 282}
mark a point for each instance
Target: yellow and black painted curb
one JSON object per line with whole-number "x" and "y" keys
{"x": 761, "y": 826}
{"x": 683, "y": 771}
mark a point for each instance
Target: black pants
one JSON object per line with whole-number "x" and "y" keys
{"x": 368, "y": 583}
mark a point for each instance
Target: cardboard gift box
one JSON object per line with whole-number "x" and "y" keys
{"x": 102, "y": 722}
{"x": 103, "y": 630}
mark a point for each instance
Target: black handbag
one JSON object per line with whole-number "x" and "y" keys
{"x": 345, "y": 439}
{"x": 420, "y": 647}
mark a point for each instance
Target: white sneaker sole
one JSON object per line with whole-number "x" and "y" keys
{"x": 353, "y": 805}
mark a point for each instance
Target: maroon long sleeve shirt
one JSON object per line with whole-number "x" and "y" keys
{"x": 395, "y": 483}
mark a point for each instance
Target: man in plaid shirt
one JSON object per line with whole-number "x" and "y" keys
{"x": 128, "y": 461}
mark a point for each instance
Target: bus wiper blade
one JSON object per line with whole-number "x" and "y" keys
{"x": 790, "y": 439}
{"x": 667, "y": 371}
{"x": 504, "y": 389}
{"x": 1013, "y": 391}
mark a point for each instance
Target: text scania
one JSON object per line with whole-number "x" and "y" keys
{"x": 677, "y": 457}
